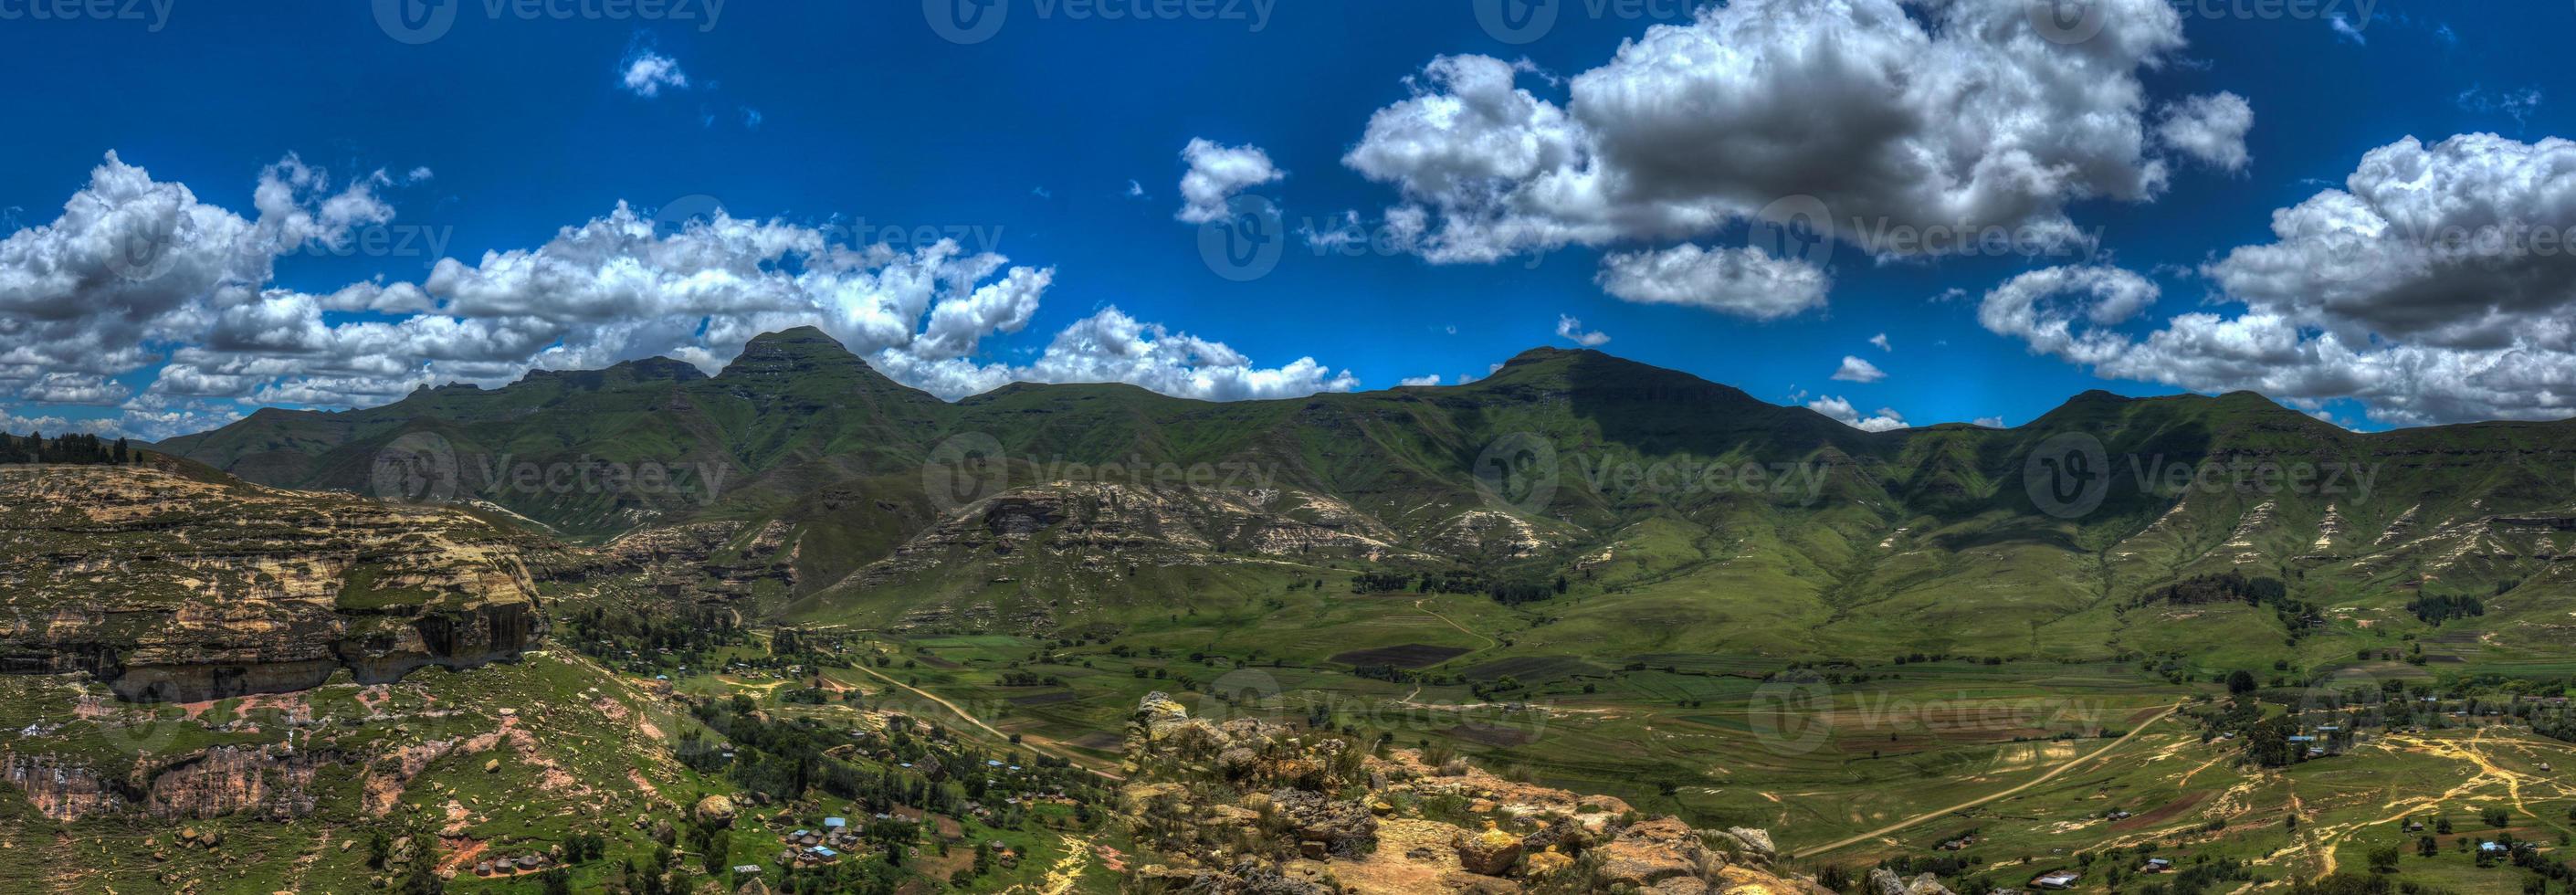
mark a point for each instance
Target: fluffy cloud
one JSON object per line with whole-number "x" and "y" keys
{"x": 1950, "y": 114}
{"x": 1744, "y": 282}
{"x": 2043, "y": 307}
{"x": 2209, "y": 128}
{"x": 1112, "y": 347}
{"x": 1841, "y": 411}
{"x": 1880, "y": 340}
{"x": 2438, "y": 285}
{"x": 138, "y": 273}
{"x": 1856, "y": 370}
{"x": 1569, "y": 328}
{"x": 644, "y": 73}
{"x": 1420, "y": 381}
{"x": 1216, "y": 174}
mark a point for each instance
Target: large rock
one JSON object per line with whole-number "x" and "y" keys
{"x": 715, "y": 810}
{"x": 1651, "y": 851}
{"x": 1885, "y": 882}
{"x": 1345, "y": 828}
{"x": 1492, "y": 852}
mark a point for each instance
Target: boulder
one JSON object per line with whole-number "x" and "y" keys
{"x": 1883, "y": 881}
{"x": 715, "y": 810}
{"x": 1547, "y": 862}
{"x": 1755, "y": 842}
{"x": 1492, "y": 852}
{"x": 1346, "y": 828}
{"x": 1651, "y": 851}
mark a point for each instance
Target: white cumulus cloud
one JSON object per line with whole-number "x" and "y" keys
{"x": 1856, "y": 370}
{"x": 1570, "y": 328}
{"x": 1216, "y": 174}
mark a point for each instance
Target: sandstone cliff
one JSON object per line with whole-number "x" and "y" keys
{"x": 178, "y": 587}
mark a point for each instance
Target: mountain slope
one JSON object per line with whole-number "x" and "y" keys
{"x": 1647, "y": 493}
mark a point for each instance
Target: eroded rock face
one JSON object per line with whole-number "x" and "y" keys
{"x": 1110, "y": 525}
{"x": 226, "y": 780}
{"x": 171, "y": 587}
{"x": 60, "y": 791}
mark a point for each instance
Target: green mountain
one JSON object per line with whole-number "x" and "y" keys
{"x": 1663, "y": 513}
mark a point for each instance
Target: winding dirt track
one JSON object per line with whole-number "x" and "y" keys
{"x": 1963, "y": 806}
{"x": 1490, "y": 643}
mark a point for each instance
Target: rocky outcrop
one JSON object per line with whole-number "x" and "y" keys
{"x": 63, "y": 792}
{"x": 1883, "y": 881}
{"x": 171, "y": 587}
{"x": 1251, "y": 806}
{"x": 706, "y": 559}
{"x": 1106, "y": 527}
{"x": 228, "y": 780}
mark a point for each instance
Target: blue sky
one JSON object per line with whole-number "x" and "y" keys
{"x": 510, "y": 121}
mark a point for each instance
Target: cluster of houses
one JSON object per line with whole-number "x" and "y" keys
{"x": 823, "y": 846}
{"x": 510, "y": 866}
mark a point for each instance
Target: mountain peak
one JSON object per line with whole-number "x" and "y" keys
{"x": 804, "y": 349}
{"x": 1545, "y": 353}
{"x": 803, "y": 336}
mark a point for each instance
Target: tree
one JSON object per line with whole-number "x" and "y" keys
{"x": 2383, "y": 859}
{"x": 2240, "y": 682}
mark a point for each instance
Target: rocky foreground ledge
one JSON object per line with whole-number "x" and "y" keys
{"x": 1248, "y": 806}
{"x": 178, "y": 586}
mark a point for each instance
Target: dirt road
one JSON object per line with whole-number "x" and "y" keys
{"x": 1963, "y": 806}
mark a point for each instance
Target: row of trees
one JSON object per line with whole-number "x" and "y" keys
{"x": 84, "y": 449}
